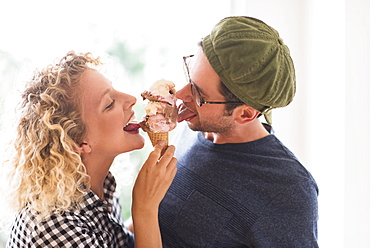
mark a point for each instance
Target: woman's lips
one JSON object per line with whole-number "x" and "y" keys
{"x": 185, "y": 113}
{"x": 132, "y": 127}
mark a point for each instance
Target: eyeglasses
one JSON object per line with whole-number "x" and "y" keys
{"x": 195, "y": 90}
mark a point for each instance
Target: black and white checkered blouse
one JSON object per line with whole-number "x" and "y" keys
{"x": 97, "y": 224}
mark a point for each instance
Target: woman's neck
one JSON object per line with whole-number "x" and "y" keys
{"x": 98, "y": 171}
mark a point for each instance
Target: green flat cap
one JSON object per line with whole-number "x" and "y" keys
{"x": 253, "y": 62}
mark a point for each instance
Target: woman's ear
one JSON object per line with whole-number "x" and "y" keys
{"x": 84, "y": 147}
{"x": 244, "y": 114}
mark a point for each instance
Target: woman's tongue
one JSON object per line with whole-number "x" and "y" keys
{"x": 184, "y": 113}
{"x": 131, "y": 127}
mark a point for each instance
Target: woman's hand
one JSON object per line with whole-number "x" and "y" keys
{"x": 152, "y": 183}
{"x": 154, "y": 179}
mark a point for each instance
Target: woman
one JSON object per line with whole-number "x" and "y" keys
{"x": 72, "y": 125}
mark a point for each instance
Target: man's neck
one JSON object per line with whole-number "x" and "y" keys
{"x": 241, "y": 133}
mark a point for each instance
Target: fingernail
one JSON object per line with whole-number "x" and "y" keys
{"x": 161, "y": 143}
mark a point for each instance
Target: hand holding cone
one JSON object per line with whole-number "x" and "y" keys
{"x": 156, "y": 137}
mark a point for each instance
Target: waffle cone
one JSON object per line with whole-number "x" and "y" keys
{"x": 156, "y": 137}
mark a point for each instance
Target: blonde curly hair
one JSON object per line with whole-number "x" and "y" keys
{"x": 48, "y": 175}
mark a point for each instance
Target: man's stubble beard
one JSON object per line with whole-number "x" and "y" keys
{"x": 215, "y": 124}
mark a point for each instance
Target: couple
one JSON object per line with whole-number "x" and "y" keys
{"x": 235, "y": 185}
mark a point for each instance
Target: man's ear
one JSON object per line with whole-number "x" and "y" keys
{"x": 84, "y": 147}
{"x": 244, "y": 114}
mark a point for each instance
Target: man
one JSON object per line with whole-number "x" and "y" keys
{"x": 237, "y": 185}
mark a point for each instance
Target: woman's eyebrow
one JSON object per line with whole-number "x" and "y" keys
{"x": 104, "y": 93}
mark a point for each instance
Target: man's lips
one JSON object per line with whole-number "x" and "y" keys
{"x": 185, "y": 113}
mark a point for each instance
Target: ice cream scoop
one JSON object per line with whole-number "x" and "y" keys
{"x": 161, "y": 111}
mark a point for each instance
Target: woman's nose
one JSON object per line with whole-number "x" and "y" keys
{"x": 129, "y": 101}
{"x": 184, "y": 94}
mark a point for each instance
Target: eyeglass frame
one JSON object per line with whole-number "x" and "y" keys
{"x": 199, "y": 100}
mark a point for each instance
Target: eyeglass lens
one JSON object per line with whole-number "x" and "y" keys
{"x": 197, "y": 97}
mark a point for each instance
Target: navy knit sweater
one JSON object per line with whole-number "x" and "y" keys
{"x": 254, "y": 194}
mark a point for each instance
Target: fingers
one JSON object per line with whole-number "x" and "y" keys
{"x": 154, "y": 179}
{"x": 168, "y": 153}
{"x": 163, "y": 146}
{"x": 155, "y": 155}
{"x": 169, "y": 170}
{"x": 165, "y": 165}
{"x": 156, "y": 162}
{"x": 172, "y": 169}
{"x": 160, "y": 147}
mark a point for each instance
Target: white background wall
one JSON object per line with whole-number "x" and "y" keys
{"x": 357, "y": 123}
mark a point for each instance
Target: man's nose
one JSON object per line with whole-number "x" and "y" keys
{"x": 184, "y": 94}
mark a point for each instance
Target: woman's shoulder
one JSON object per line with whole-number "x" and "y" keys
{"x": 30, "y": 227}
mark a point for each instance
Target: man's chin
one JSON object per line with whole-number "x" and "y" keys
{"x": 193, "y": 126}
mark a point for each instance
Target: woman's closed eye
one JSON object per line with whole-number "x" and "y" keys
{"x": 110, "y": 105}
